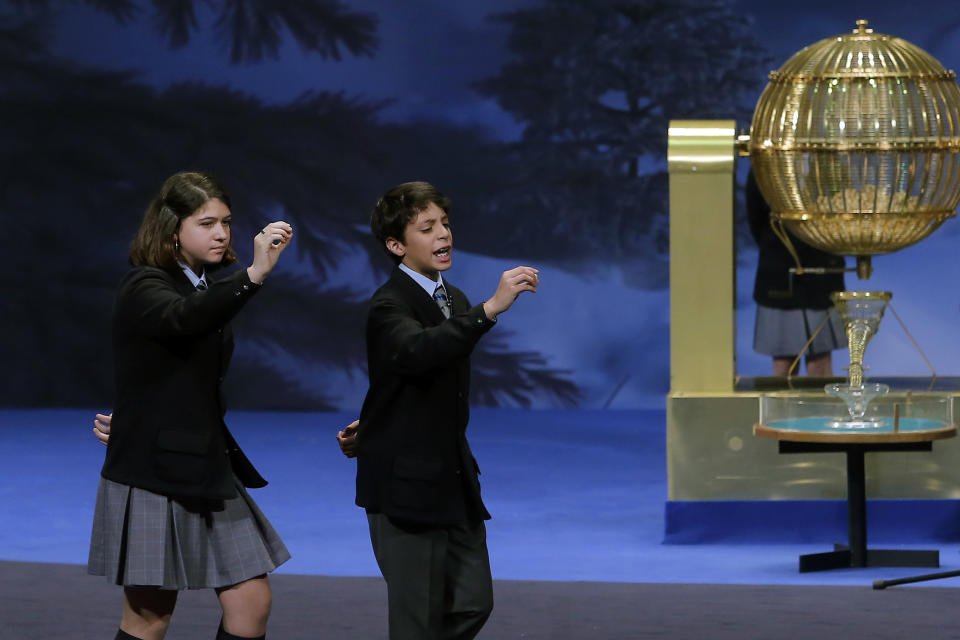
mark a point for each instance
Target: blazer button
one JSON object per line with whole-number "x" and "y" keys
{"x": 245, "y": 287}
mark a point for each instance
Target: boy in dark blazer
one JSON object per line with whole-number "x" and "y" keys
{"x": 416, "y": 476}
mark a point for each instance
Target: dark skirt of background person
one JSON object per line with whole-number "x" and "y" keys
{"x": 141, "y": 538}
{"x": 784, "y": 332}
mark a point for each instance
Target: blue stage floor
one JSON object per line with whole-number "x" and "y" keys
{"x": 575, "y": 495}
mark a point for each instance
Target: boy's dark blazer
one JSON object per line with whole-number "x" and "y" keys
{"x": 414, "y": 463}
{"x": 172, "y": 346}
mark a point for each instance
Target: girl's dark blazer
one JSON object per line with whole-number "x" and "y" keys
{"x": 172, "y": 346}
{"x": 414, "y": 462}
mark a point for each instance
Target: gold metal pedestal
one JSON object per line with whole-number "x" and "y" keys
{"x": 712, "y": 453}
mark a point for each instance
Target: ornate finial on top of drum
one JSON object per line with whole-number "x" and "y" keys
{"x": 862, "y": 27}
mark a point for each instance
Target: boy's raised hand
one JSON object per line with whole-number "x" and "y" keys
{"x": 512, "y": 284}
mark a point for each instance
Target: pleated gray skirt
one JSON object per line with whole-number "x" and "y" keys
{"x": 142, "y": 538}
{"x": 783, "y": 332}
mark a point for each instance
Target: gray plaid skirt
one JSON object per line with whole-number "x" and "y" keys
{"x": 783, "y": 332}
{"x": 146, "y": 539}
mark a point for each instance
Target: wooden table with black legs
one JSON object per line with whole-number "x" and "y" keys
{"x": 856, "y": 553}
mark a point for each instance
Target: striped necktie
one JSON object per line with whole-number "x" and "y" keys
{"x": 440, "y": 296}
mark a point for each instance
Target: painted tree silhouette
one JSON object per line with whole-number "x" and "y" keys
{"x": 83, "y": 152}
{"x": 254, "y": 29}
{"x": 595, "y": 83}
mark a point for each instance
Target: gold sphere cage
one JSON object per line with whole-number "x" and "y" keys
{"x": 854, "y": 143}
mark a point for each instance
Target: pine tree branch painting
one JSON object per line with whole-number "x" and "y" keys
{"x": 85, "y": 149}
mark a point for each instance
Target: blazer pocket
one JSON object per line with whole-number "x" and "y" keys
{"x": 181, "y": 456}
{"x": 416, "y": 483}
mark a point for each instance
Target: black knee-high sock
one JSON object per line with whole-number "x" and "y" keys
{"x": 123, "y": 635}
{"x": 223, "y": 635}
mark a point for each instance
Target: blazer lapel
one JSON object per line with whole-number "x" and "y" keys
{"x": 184, "y": 287}
{"x": 418, "y": 297}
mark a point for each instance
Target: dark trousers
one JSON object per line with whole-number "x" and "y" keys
{"x": 438, "y": 578}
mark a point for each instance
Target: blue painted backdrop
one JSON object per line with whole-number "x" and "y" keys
{"x": 544, "y": 120}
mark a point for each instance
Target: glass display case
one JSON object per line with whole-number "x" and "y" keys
{"x": 893, "y": 413}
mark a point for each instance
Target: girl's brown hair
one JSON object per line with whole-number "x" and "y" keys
{"x": 180, "y": 197}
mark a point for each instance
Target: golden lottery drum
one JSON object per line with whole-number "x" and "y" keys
{"x": 855, "y": 143}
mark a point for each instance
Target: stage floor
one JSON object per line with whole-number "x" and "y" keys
{"x": 42, "y": 601}
{"x": 575, "y": 495}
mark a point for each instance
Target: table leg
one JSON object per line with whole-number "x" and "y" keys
{"x": 856, "y": 507}
{"x": 855, "y": 553}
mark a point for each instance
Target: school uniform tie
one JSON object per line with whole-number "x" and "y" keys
{"x": 440, "y": 296}
{"x": 201, "y": 286}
